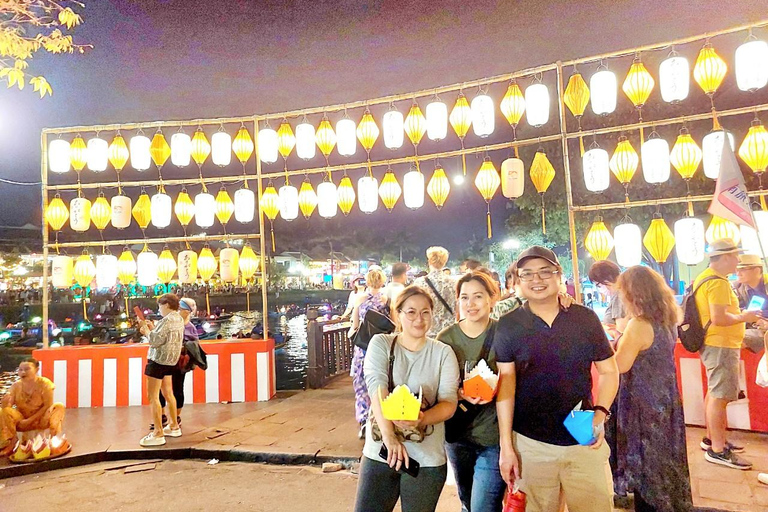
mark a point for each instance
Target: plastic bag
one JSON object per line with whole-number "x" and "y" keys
{"x": 762, "y": 373}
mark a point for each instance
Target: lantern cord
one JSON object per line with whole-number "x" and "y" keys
{"x": 248, "y": 300}
{"x": 272, "y": 231}
{"x": 488, "y": 221}
{"x": 207, "y": 299}
{"x": 119, "y": 185}
{"x": 202, "y": 181}
{"x": 463, "y": 158}
{"x": 640, "y": 120}
{"x": 715, "y": 120}
{"x": 85, "y": 307}
{"x": 626, "y": 192}
{"x": 543, "y": 216}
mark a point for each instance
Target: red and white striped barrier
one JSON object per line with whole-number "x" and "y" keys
{"x": 113, "y": 375}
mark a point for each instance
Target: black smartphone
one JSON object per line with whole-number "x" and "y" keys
{"x": 413, "y": 466}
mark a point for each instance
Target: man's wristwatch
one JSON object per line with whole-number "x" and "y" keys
{"x": 603, "y": 410}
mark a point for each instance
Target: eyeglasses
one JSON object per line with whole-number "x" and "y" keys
{"x": 412, "y": 314}
{"x": 528, "y": 275}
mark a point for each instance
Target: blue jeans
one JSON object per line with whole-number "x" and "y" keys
{"x": 481, "y": 488}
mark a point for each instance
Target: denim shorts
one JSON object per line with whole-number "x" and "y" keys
{"x": 722, "y": 365}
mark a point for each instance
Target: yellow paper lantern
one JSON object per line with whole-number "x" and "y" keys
{"x": 286, "y": 140}
{"x": 142, "y": 210}
{"x": 85, "y": 270}
{"x": 638, "y": 84}
{"x": 754, "y": 149}
{"x": 576, "y": 95}
{"x": 542, "y": 172}
{"x": 487, "y": 182}
{"x": 206, "y": 264}
{"x": 720, "y": 228}
{"x": 367, "y": 131}
{"x": 243, "y": 145}
{"x": 461, "y": 116}
{"x": 624, "y": 161}
{"x": 78, "y": 154}
{"x": 270, "y": 202}
{"x": 659, "y": 239}
{"x": 56, "y": 214}
{"x": 685, "y": 155}
{"x": 389, "y": 190}
{"x": 166, "y": 266}
{"x": 224, "y": 206}
{"x": 325, "y": 137}
{"x": 599, "y": 242}
{"x": 439, "y": 187}
{"x": 159, "y": 149}
{"x": 346, "y": 195}
{"x": 201, "y": 148}
{"x": 118, "y": 152}
{"x": 249, "y": 262}
{"x": 415, "y": 124}
{"x": 307, "y": 198}
{"x": 709, "y": 70}
{"x": 184, "y": 208}
{"x": 126, "y": 267}
{"x": 101, "y": 212}
{"x": 513, "y": 104}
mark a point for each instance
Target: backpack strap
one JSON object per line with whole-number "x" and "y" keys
{"x": 693, "y": 293}
{"x": 442, "y": 300}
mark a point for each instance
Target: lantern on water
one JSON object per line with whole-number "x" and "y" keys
{"x": 752, "y": 65}
{"x": 685, "y": 155}
{"x": 187, "y": 266}
{"x": 367, "y": 131}
{"x": 159, "y": 149}
{"x": 598, "y": 242}
{"x": 206, "y": 264}
{"x": 181, "y": 149}
{"x": 389, "y": 190}
{"x": 638, "y": 84}
{"x": 437, "y": 120}
{"x": 709, "y": 70}
{"x": 368, "y": 194}
{"x": 413, "y": 189}
{"x": 243, "y": 145}
{"x": 712, "y": 152}
{"x": 624, "y": 162}
{"x": 166, "y": 266}
{"x": 121, "y": 211}
{"x": 415, "y": 124}
{"x": 184, "y": 208}
{"x": 439, "y": 187}
{"x": 126, "y": 267}
{"x": 286, "y": 140}
{"x": 654, "y": 154}
{"x": 78, "y": 153}
{"x": 689, "y": 240}
{"x": 229, "y": 264}
{"x": 325, "y": 138}
{"x": 513, "y": 104}
{"x": 487, "y": 182}
{"x": 327, "y": 200}
{"x": 604, "y": 86}
{"x": 118, "y": 152}
{"x": 628, "y": 244}
{"x": 754, "y": 148}
{"x": 674, "y": 80}
{"x": 140, "y": 152}
{"x": 576, "y": 96}
{"x": 597, "y": 174}
{"x": 289, "y": 202}
{"x": 268, "y": 145}
{"x": 542, "y": 174}
{"x": 205, "y": 209}
{"x": 305, "y": 140}
{"x": 142, "y": 211}
{"x": 245, "y": 205}
{"x": 56, "y": 214}
{"x": 221, "y": 148}
{"x": 393, "y": 128}
{"x": 224, "y": 206}
{"x": 62, "y": 268}
{"x": 659, "y": 239}
{"x": 720, "y": 228}
{"x": 270, "y": 202}
{"x": 84, "y": 270}
{"x": 201, "y": 148}
{"x": 160, "y": 210}
{"x": 483, "y": 115}
{"x": 147, "y": 267}
{"x": 346, "y": 138}
{"x": 512, "y": 178}
{"x": 248, "y": 263}
{"x": 58, "y": 156}
{"x": 101, "y": 213}
{"x": 346, "y": 195}
{"x": 80, "y": 214}
{"x": 307, "y": 199}
{"x": 98, "y": 154}
{"x": 537, "y": 104}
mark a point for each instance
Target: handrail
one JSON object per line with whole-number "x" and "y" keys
{"x": 329, "y": 349}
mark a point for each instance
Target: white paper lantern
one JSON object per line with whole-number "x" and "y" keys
{"x": 289, "y": 202}
{"x": 121, "y": 211}
{"x": 229, "y": 260}
{"x": 597, "y": 172}
{"x": 139, "y": 151}
{"x": 537, "y": 104}
{"x": 603, "y": 89}
{"x": 413, "y": 189}
{"x": 62, "y": 271}
{"x": 674, "y": 78}
{"x": 267, "y": 145}
{"x": 752, "y": 65}
{"x": 80, "y": 214}
{"x": 712, "y": 152}
{"x": 327, "y": 200}
{"x": 346, "y": 137}
{"x": 437, "y": 120}
{"x": 368, "y": 194}
{"x": 305, "y": 141}
{"x": 654, "y": 154}
{"x": 146, "y": 265}
{"x": 689, "y": 240}
{"x": 205, "y": 209}
{"x": 187, "y": 267}
{"x": 393, "y": 129}
{"x": 483, "y": 120}
{"x": 58, "y": 156}
{"x": 512, "y": 178}
{"x": 245, "y": 205}
{"x": 221, "y": 148}
{"x": 749, "y": 240}
{"x": 628, "y": 246}
{"x": 97, "y": 151}
{"x": 160, "y": 210}
{"x": 106, "y": 271}
{"x": 181, "y": 149}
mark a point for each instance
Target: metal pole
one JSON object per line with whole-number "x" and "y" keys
{"x": 262, "y": 243}
{"x": 44, "y": 190}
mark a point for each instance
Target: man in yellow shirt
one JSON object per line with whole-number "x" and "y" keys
{"x": 724, "y": 322}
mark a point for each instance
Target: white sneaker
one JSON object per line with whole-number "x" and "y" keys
{"x": 168, "y": 431}
{"x": 762, "y": 478}
{"x": 151, "y": 440}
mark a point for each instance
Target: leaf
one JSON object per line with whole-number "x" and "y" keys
{"x": 41, "y": 85}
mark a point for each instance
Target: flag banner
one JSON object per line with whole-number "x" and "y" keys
{"x": 731, "y": 200}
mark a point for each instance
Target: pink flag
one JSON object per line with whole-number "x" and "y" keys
{"x": 731, "y": 200}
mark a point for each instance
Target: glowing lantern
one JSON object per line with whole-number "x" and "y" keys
{"x": 415, "y": 124}
{"x": 437, "y": 121}
{"x": 754, "y": 149}
{"x": 712, "y": 152}
{"x": 56, "y": 214}
{"x": 221, "y": 148}
{"x": 243, "y": 145}
{"x": 603, "y": 85}
{"x": 629, "y": 244}
{"x": 413, "y": 189}
{"x": 159, "y": 149}
{"x": 487, "y": 182}
{"x": 638, "y": 84}
{"x": 761, "y": 220}
{"x": 685, "y": 155}
{"x": 389, "y": 190}
{"x": 596, "y": 165}
{"x": 80, "y": 214}
{"x": 537, "y": 104}
{"x": 166, "y": 266}
{"x": 286, "y": 140}
{"x": 142, "y": 211}
{"x": 187, "y": 267}
{"x": 659, "y": 239}
{"x": 270, "y": 202}
{"x": 118, "y": 152}
{"x": 305, "y": 140}
{"x": 58, "y": 155}
{"x": 752, "y": 65}
{"x": 78, "y": 153}
{"x": 689, "y": 240}
{"x": 720, "y": 228}
{"x": 461, "y": 119}
{"x": 205, "y": 209}
{"x": 367, "y": 131}
{"x": 126, "y": 267}
{"x": 206, "y": 264}
{"x": 181, "y": 149}
{"x": 160, "y": 210}
{"x": 674, "y": 78}
{"x": 325, "y": 137}
{"x": 542, "y": 174}
{"x": 140, "y": 152}
{"x": 201, "y": 148}
{"x": 709, "y": 70}
{"x": 289, "y": 202}
{"x": 245, "y": 205}
{"x": 85, "y": 270}
{"x": 184, "y": 208}
{"x": 750, "y": 241}
{"x": 327, "y": 200}
{"x": 268, "y": 145}
{"x": 62, "y": 269}
{"x": 121, "y": 211}
{"x": 346, "y": 138}
{"x": 98, "y": 154}
{"x": 229, "y": 264}
{"x": 346, "y": 195}
{"x": 101, "y": 213}
{"x": 439, "y": 187}
{"x": 654, "y": 154}
{"x": 624, "y": 162}
{"x": 147, "y": 267}
{"x": 599, "y": 242}
{"x": 483, "y": 118}
{"x": 307, "y": 199}
{"x": 368, "y": 194}
{"x": 512, "y": 178}
{"x": 513, "y": 104}
{"x": 576, "y": 96}
{"x": 224, "y": 206}
{"x": 249, "y": 262}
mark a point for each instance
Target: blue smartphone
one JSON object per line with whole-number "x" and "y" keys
{"x": 756, "y": 304}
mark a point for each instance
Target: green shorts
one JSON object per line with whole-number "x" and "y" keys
{"x": 722, "y": 365}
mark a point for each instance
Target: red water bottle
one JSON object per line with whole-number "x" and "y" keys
{"x": 514, "y": 500}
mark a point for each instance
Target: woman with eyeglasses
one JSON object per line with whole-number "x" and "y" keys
{"x": 395, "y": 448}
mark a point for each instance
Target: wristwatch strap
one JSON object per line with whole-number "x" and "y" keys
{"x": 603, "y": 410}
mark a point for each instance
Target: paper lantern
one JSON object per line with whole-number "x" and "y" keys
{"x": 576, "y": 96}
{"x": 101, "y": 213}
{"x": 761, "y": 221}
{"x": 709, "y": 70}
{"x": 248, "y": 263}
{"x": 84, "y": 270}
{"x": 752, "y": 65}
{"x": 487, "y": 180}
{"x": 56, "y": 214}
{"x": 286, "y": 140}
{"x": 685, "y": 155}
{"x": 542, "y": 171}
{"x": 325, "y": 137}
{"x": 750, "y": 241}
{"x": 245, "y": 205}
{"x": 289, "y": 202}
{"x": 439, "y": 187}
{"x": 221, "y": 148}
{"x": 78, "y": 153}
{"x": 267, "y": 145}
{"x": 229, "y": 264}
{"x": 537, "y": 104}
{"x": 58, "y": 156}
{"x": 160, "y": 210}
{"x": 98, "y": 154}
{"x": 181, "y": 149}
{"x": 140, "y": 152}
{"x": 368, "y": 194}
{"x": 346, "y": 138}
{"x": 205, "y": 209}
{"x": 270, "y": 202}
{"x": 659, "y": 240}
{"x": 624, "y": 161}
{"x": 327, "y": 200}
{"x": 415, "y": 124}
{"x": 638, "y": 84}
{"x": 689, "y": 240}
{"x": 654, "y": 154}
{"x": 413, "y": 189}
{"x": 159, "y": 149}
{"x": 754, "y": 149}
{"x": 307, "y": 199}
{"x": 437, "y": 120}
{"x": 126, "y": 267}
{"x": 147, "y": 266}
{"x": 62, "y": 270}
{"x": 206, "y": 264}
{"x": 389, "y": 190}
{"x": 121, "y": 211}
{"x": 604, "y": 86}
{"x": 224, "y": 206}
{"x": 346, "y": 195}
{"x": 187, "y": 267}
{"x": 393, "y": 129}
{"x": 367, "y": 131}
{"x": 598, "y": 242}
{"x": 184, "y": 208}
{"x": 142, "y": 211}
{"x": 712, "y": 152}
{"x": 106, "y": 271}
{"x": 118, "y": 152}
{"x": 512, "y": 178}
{"x": 674, "y": 80}
{"x": 513, "y": 104}
{"x": 720, "y": 228}
{"x": 483, "y": 115}
{"x": 596, "y": 166}
{"x": 166, "y": 266}
{"x": 461, "y": 116}
{"x": 629, "y": 244}
{"x": 243, "y": 145}
{"x": 305, "y": 141}
{"x": 201, "y": 148}
{"x": 80, "y": 214}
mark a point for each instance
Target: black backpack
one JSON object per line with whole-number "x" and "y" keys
{"x": 690, "y": 331}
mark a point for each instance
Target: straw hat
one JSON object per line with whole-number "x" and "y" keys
{"x": 723, "y": 246}
{"x": 749, "y": 260}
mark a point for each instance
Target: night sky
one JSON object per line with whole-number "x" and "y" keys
{"x": 186, "y": 59}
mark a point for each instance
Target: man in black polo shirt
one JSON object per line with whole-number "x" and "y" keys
{"x": 545, "y": 355}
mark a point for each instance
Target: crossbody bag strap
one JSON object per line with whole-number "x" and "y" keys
{"x": 390, "y": 369}
{"x": 442, "y": 300}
